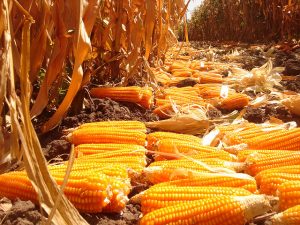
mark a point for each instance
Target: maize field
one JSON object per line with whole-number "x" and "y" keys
{"x": 110, "y": 114}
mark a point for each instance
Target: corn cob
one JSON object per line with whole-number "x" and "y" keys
{"x": 214, "y": 179}
{"x": 89, "y": 149}
{"x": 208, "y": 78}
{"x": 289, "y": 194}
{"x": 176, "y": 147}
{"x": 225, "y": 210}
{"x": 290, "y": 216}
{"x": 260, "y": 163}
{"x": 126, "y": 125}
{"x": 184, "y": 146}
{"x": 294, "y": 169}
{"x": 182, "y": 73}
{"x": 142, "y": 96}
{"x": 112, "y": 171}
{"x": 118, "y": 153}
{"x": 235, "y": 101}
{"x": 119, "y": 199}
{"x": 162, "y": 171}
{"x": 212, "y": 92}
{"x": 154, "y": 138}
{"x": 244, "y": 154}
{"x": 88, "y": 193}
{"x": 106, "y": 135}
{"x": 269, "y": 183}
{"x": 158, "y": 197}
{"x": 165, "y": 154}
{"x": 281, "y": 139}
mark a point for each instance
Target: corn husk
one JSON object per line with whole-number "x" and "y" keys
{"x": 189, "y": 121}
{"x": 292, "y": 102}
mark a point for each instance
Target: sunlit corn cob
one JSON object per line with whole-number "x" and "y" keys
{"x": 175, "y": 80}
{"x": 207, "y": 78}
{"x": 154, "y": 138}
{"x": 178, "y": 65}
{"x": 106, "y": 135}
{"x": 184, "y": 146}
{"x": 281, "y": 139}
{"x": 89, "y": 149}
{"x": 157, "y": 197}
{"x": 225, "y": 210}
{"x": 234, "y": 101}
{"x": 290, "y": 216}
{"x": 238, "y": 180}
{"x": 167, "y": 149}
{"x": 142, "y": 96}
{"x": 89, "y": 193}
{"x": 109, "y": 170}
{"x": 118, "y": 153}
{"x": 135, "y": 163}
{"x": 289, "y": 194}
{"x": 162, "y": 171}
{"x": 269, "y": 183}
{"x": 212, "y": 92}
{"x": 184, "y": 72}
{"x": 126, "y": 125}
{"x": 120, "y": 190}
{"x": 257, "y": 164}
{"x": 244, "y": 154}
{"x": 294, "y": 169}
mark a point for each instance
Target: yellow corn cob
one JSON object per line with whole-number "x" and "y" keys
{"x": 207, "y": 78}
{"x": 158, "y": 197}
{"x": 244, "y": 154}
{"x": 164, "y": 154}
{"x": 126, "y": 125}
{"x": 142, "y": 96}
{"x": 112, "y": 171}
{"x": 175, "y": 146}
{"x": 118, "y": 153}
{"x": 294, "y": 169}
{"x": 289, "y": 194}
{"x": 89, "y": 149}
{"x": 212, "y": 92}
{"x": 290, "y": 216}
{"x": 281, "y": 139}
{"x": 106, "y": 135}
{"x": 162, "y": 171}
{"x": 154, "y": 138}
{"x": 120, "y": 191}
{"x": 89, "y": 193}
{"x": 219, "y": 180}
{"x": 234, "y": 101}
{"x": 269, "y": 183}
{"x": 264, "y": 162}
{"x": 181, "y": 73}
{"x": 225, "y": 210}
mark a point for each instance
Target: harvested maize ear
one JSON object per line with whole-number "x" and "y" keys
{"x": 142, "y": 96}
{"x": 275, "y": 139}
{"x": 89, "y": 149}
{"x": 88, "y": 193}
{"x": 106, "y": 135}
{"x": 154, "y": 138}
{"x": 225, "y": 210}
{"x": 290, "y": 216}
{"x": 157, "y": 197}
{"x": 244, "y": 154}
{"x": 294, "y": 169}
{"x": 269, "y": 183}
{"x": 289, "y": 194}
{"x": 126, "y": 125}
{"x": 238, "y": 180}
{"x": 173, "y": 149}
{"x": 162, "y": 171}
{"x": 118, "y": 153}
{"x": 257, "y": 164}
{"x": 234, "y": 101}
